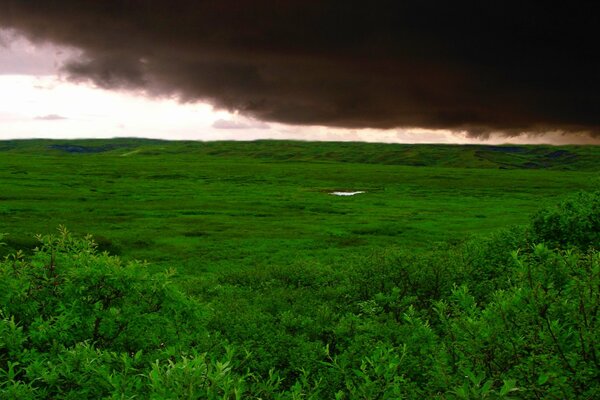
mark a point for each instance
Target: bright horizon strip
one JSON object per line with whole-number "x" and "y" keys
{"x": 37, "y": 102}
{"x": 50, "y": 107}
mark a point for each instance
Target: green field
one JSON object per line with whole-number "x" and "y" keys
{"x": 443, "y": 280}
{"x": 212, "y": 206}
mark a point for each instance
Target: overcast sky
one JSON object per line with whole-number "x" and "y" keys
{"x": 297, "y": 72}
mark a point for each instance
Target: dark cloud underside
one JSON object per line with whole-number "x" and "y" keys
{"x": 489, "y": 66}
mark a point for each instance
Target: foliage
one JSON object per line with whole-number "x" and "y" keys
{"x": 574, "y": 222}
{"x": 510, "y": 315}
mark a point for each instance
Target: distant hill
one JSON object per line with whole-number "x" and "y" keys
{"x": 575, "y": 158}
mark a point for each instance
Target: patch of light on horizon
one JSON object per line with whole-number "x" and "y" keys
{"x": 51, "y": 107}
{"x": 93, "y": 112}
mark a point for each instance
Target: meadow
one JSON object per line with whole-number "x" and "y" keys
{"x": 261, "y": 284}
{"x": 212, "y": 206}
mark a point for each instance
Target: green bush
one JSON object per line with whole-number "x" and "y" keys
{"x": 574, "y": 222}
{"x": 68, "y": 306}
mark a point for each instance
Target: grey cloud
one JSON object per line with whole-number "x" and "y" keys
{"x": 50, "y": 117}
{"x": 225, "y": 124}
{"x": 18, "y": 56}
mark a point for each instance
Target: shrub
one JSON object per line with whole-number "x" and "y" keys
{"x": 574, "y": 222}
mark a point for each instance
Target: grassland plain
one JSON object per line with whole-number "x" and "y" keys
{"x": 224, "y": 205}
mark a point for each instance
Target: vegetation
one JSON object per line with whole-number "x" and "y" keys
{"x": 508, "y": 313}
{"x": 209, "y": 207}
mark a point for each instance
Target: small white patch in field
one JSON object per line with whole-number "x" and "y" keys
{"x": 130, "y": 153}
{"x": 346, "y": 193}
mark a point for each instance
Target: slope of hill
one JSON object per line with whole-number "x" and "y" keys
{"x": 569, "y": 158}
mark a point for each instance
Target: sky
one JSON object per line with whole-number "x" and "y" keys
{"x": 237, "y": 70}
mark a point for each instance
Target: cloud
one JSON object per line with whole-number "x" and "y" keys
{"x": 228, "y": 124}
{"x": 50, "y": 117}
{"x": 19, "y": 56}
{"x": 481, "y": 68}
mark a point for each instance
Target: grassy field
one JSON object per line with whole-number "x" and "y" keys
{"x": 284, "y": 291}
{"x": 222, "y": 205}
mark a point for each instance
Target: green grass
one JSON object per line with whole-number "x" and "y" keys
{"x": 224, "y": 205}
{"x": 288, "y": 291}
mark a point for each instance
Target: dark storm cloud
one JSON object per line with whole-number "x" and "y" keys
{"x": 485, "y": 67}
